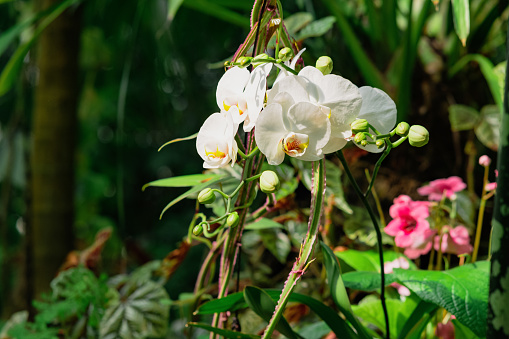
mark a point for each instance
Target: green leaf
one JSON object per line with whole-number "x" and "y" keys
{"x": 316, "y": 28}
{"x": 297, "y": 21}
{"x": 193, "y": 190}
{"x": 488, "y": 71}
{"x": 366, "y": 281}
{"x": 463, "y": 117}
{"x": 11, "y": 70}
{"x": 371, "y": 312}
{"x": 263, "y": 305}
{"x": 463, "y": 291}
{"x": 173, "y": 7}
{"x": 461, "y": 16}
{"x": 191, "y": 137}
{"x": 236, "y": 301}
{"x": 137, "y": 313}
{"x": 488, "y": 130}
{"x": 461, "y": 331}
{"x": 263, "y": 224}
{"x": 358, "y": 226}
{"x": 224, "y": 333}
{"x": 418, "y": 320}
{"x": 338, "y": 291}
{"x": 368, "y": 260}
{"x": 183, "y": 181}
{"x": 212, "y": 9}
{"x": 277, "y": 243}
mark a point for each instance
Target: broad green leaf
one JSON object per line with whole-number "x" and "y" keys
{"x": 191, "y": 137}
{"x": 358, "y": 226}
{"x": 183, "y": 181}
{"x": 463, "y": 117}
{"x": 173, "y": 7}
{"x": 417, "y": 320}
{"x": 318, "y": 329}
{"x": 465, "y": 208}
{"x": 488, "y": 130}
{"x": 366, "y": 281}
{"x": 372, "y": 313}
{"x": 487, "y": 70}
{"x": 235, "y": 301}
{"x": 316, "y": 28}
{"x": 461, "y": 16}
{"x": 338, "y": 291}
{"x": 263, "y": 305}
{"x": 137, "y": 313}
{"x": 213, "y": 9}
{"x": 463, "y": 291}
{"x": 11, "y": 70}
{"x": 224, "y": 333}
{"x": 368, "y": 260}
{"x": 263, "y": 224}
{"x": 499, "y": 71}
{"x": 193, "y": 190}
{"x": 461, "y": 331}
{"x": 297, "y": 21}
{"x": 277, "y": 243}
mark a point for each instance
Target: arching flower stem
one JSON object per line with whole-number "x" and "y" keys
{"x": 364, "y": 200}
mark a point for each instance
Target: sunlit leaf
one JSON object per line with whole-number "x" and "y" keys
{"x": 368, "y": 260}
{"x": 463, "y": 117}
{"x": 263, "y": 305}
{"x": 366, "y": 281}
{"x": 461, "y": 16}
{"x": 173, "y": 7}
{"x": 417, "y": 321}
{"x": 263, "y": 224}
{"x": 316, "y": 28}
{"x": 183, "y": 181}
{"x": 488, "y": 130}
{"x": 463, "y": 291}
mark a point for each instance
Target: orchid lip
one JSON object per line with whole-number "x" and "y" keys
{"x": 295, "y": 144}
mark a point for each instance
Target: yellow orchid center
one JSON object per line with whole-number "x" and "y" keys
{"x": 227, "y": 104}
{"x": 216, "y": 154}
{"x": 295, "y": 144}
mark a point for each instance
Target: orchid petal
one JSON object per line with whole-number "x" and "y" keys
{"x": 232, "y": 83}
{"x": 255, "y": 94}
{"x": 308, "y": 118}
{"x": 378, "y": 109}
{"x": 269, "y": 133}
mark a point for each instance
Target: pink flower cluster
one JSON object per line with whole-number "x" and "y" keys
{"x": 436, "y": 189}
{"x": 411, "y": 230}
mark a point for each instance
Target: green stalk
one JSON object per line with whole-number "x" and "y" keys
{"x": 364, "y": 200}
{"x": 302, "y": 262}
{"x": 480, "y": 217}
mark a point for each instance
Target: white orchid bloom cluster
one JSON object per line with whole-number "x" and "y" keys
{"x": 306, "y": 115}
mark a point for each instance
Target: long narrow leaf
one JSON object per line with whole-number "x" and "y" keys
{"x": 11, "y": 70}
{"x": 182, "y": 181}
{"x": 263, "y": 305}
{"x": 418, "y": 320}
{"x": 224, "y": 333}
{"x": 211, "y": 8}
{"x": 461, "y": 16}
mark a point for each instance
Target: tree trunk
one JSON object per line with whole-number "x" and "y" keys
{"x": 498, "y": 303}
{"x": 52, "y": 159}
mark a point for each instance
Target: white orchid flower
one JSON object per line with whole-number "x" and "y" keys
{"x": 216, "y": 141}
{"x": 242, "y": 93}
{"x": 336, "y": 97}
{"x": 299, "y": 130}
{"x": 379, "y": 110}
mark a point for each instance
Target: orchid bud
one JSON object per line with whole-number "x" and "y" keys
{"x": 244, "y": 61}
{"x": 418, "y": 136}
{"x": 324, "y": 64}
{"x": 269, "y": 182}
{"x": 402, "y": 129}
{"x": 197, "y": 230}
{"x": 484, "y": 160}
{"x": 233, "y": 219}
{"x": 258, "y": 57}
{"x": 380, "y": 143}
{"x": 359, "y": 125}
{"x": 359, "y": 137}
{"x": 206, "y": 196}
{"x": 364, "y": 143}
{"x": 285, "y": 54}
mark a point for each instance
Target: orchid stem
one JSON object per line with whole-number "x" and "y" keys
{"x": 364, "y": 200}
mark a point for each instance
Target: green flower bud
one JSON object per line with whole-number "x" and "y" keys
{"x": 233, "y": 219}
{"x": 359, "y": 125}
{"x": 285, "y": 54}
{"x": 380, "y": 143}
{"x": 402, "y": 129}
{"x": 206, "y": 196}
{"x": 269, "y": 182}
{"x": 324, "y": 64}
{"x": 244, "y": 61}
{"x": 258, "y": 57}
{"x": 418, "y": 136}
{"x": 227, "y": 63}
{"x": 359, "y": 137}
{"x": 197, "y": 230}
{"x": 364, "y": 143}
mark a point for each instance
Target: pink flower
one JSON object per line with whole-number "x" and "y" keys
{"x": 437, "y": 188}
{"x": 484, "y": 160}
{"x": 398, "y": 263}
{"x": 409, "y": 226}
{"x": 491, "y": 186}
{"x": 445, "y": 331}
{"x": 454, "y": 240}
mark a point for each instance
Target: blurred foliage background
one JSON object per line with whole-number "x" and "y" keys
{"x": 147, "y": 74}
